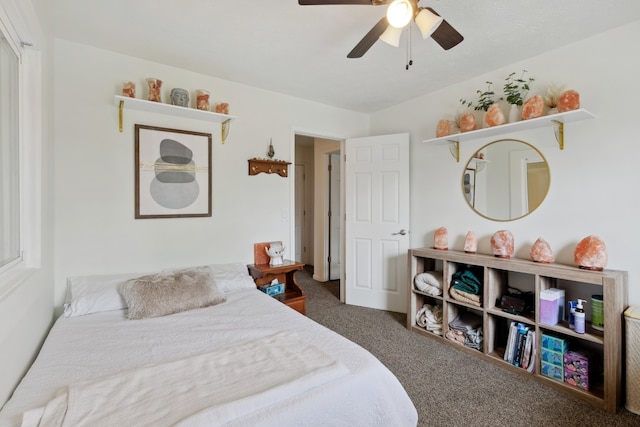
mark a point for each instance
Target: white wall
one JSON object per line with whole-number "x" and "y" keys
{"x": 594, "y": 180}
{"x": 95, "y": 227}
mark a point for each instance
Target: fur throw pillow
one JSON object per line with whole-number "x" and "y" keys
{"x": 170, "y": 292}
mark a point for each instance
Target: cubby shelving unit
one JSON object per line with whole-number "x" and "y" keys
{"x": 498, "y": 274}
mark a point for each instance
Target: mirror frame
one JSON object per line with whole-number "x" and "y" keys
{"x": 484, "y": 147}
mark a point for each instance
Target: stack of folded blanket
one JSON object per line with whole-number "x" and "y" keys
{"x": 429, "y": 282}
{"x": 466, "y": 287}
{"x": 430, "y": 318}
{"x": 466, "y": 329}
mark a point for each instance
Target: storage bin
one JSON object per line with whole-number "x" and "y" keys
{"x": 632, "y": 320}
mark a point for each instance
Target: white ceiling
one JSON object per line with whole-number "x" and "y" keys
{"x": 302, "y": 50}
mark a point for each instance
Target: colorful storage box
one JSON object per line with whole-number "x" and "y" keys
{"x": 272, "y": 290}
{"x": 554, "y": 344}
{"x": 551, "y": 306}
{"x": 552, "y": 371}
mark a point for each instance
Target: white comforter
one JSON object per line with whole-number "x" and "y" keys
{"x": 103, "y": 344}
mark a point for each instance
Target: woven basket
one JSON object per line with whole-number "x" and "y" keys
{"x": 632, "y": 316}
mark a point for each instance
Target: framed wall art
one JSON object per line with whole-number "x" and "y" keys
{"x": 173, "y": 173}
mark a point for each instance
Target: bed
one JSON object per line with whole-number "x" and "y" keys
{"x": 246, "y": 360}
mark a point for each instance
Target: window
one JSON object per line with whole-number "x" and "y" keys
{"x": 9, "y": 153}
{"x": 21, "y": 131}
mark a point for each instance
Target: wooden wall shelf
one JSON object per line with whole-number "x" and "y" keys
{"x": 257, "y": 166}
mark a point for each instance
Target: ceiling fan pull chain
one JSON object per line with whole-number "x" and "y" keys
{"x": 409, "y": 54}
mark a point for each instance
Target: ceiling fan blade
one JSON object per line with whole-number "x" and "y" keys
{"x": 445, "y": 35}
{"x": 369, "y": 39}
{"x": 325, "y": 2}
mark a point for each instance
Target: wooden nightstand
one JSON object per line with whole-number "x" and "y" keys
{"x": 293, "y": 296}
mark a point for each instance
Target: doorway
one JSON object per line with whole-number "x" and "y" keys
{"x": 317, "y": 195}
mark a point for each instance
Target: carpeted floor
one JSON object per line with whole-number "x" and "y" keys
{"x": 447, "y": 386}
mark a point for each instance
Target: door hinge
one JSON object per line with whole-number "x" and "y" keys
{"x": 329, "y": 260}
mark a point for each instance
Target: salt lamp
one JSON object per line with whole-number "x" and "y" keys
{"x": 471, "y": 243}
{"x": 441, "y": 239}
{"x": 468, "y": 122}
{"x": 533, "y": 107}
{"x": 591, "y": 253}
{"x": 494, "y": 116}
{"x": 569, "y": 100}
{"x": 541, "y": 251}
{"x": 502, "y": 244}
{"x": 443, "y": 129}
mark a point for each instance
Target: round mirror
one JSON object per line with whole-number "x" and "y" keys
{"x": 506, "y": 180}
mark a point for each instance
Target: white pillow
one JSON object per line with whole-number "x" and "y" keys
{"x": 232, "y": 277}
{"x": 91, "y": 294}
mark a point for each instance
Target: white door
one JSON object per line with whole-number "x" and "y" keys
{"x": 299, "y": 212}
{"x": 377, "y": 221}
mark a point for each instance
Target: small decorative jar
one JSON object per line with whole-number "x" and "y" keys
{"x": 129, "y": 89}
{"x": 202, "y": 99}
{"x": 222, "y": 108}
{"x": 154, "y": 89}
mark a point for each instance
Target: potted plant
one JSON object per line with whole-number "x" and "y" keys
{"x": 515, "y": 90}
{"x": 485, "y": 99}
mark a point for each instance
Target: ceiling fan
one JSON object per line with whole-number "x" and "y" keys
{"x": 400, "y": 13}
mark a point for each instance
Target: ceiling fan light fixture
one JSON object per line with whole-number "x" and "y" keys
{"x": 392, "y": 36}
{"x": 427, "y": 22}
{"x": 399, "y": 13}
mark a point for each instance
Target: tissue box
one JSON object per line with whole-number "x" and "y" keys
{"x": 576, "y": 380}
{"x": 554, "y": 344}
{"x": 552, "y": 357}
{"x": 551, "y": 306}
{"x": 552, "y": 371}
{"x": 272, "y": 289}
{"x": 576, "y": 362}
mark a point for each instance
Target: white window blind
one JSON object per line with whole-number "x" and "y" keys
{"x": 10, "y": 210}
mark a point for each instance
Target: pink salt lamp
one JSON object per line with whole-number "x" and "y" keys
{"x": 471, "y": 243}
{"x": 494, "y": 116}
{"x": 541, "y": 251}
{"x": 443, "y": 129}
{"x": 569, "y": 100}
{"x": 441, "y": 239}
{"x": 502, "y": 244}
{"x": 533, "y": 107}
{"x": 591, "y": 254}
{"x": 468, "y": 122}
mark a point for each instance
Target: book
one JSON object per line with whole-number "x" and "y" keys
{"x": 526, "y": 357}
{"x": 508, "y": 350}
{"x": 522, "y": 336}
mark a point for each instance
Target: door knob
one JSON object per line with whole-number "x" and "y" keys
{"x": 401, "y": 232}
